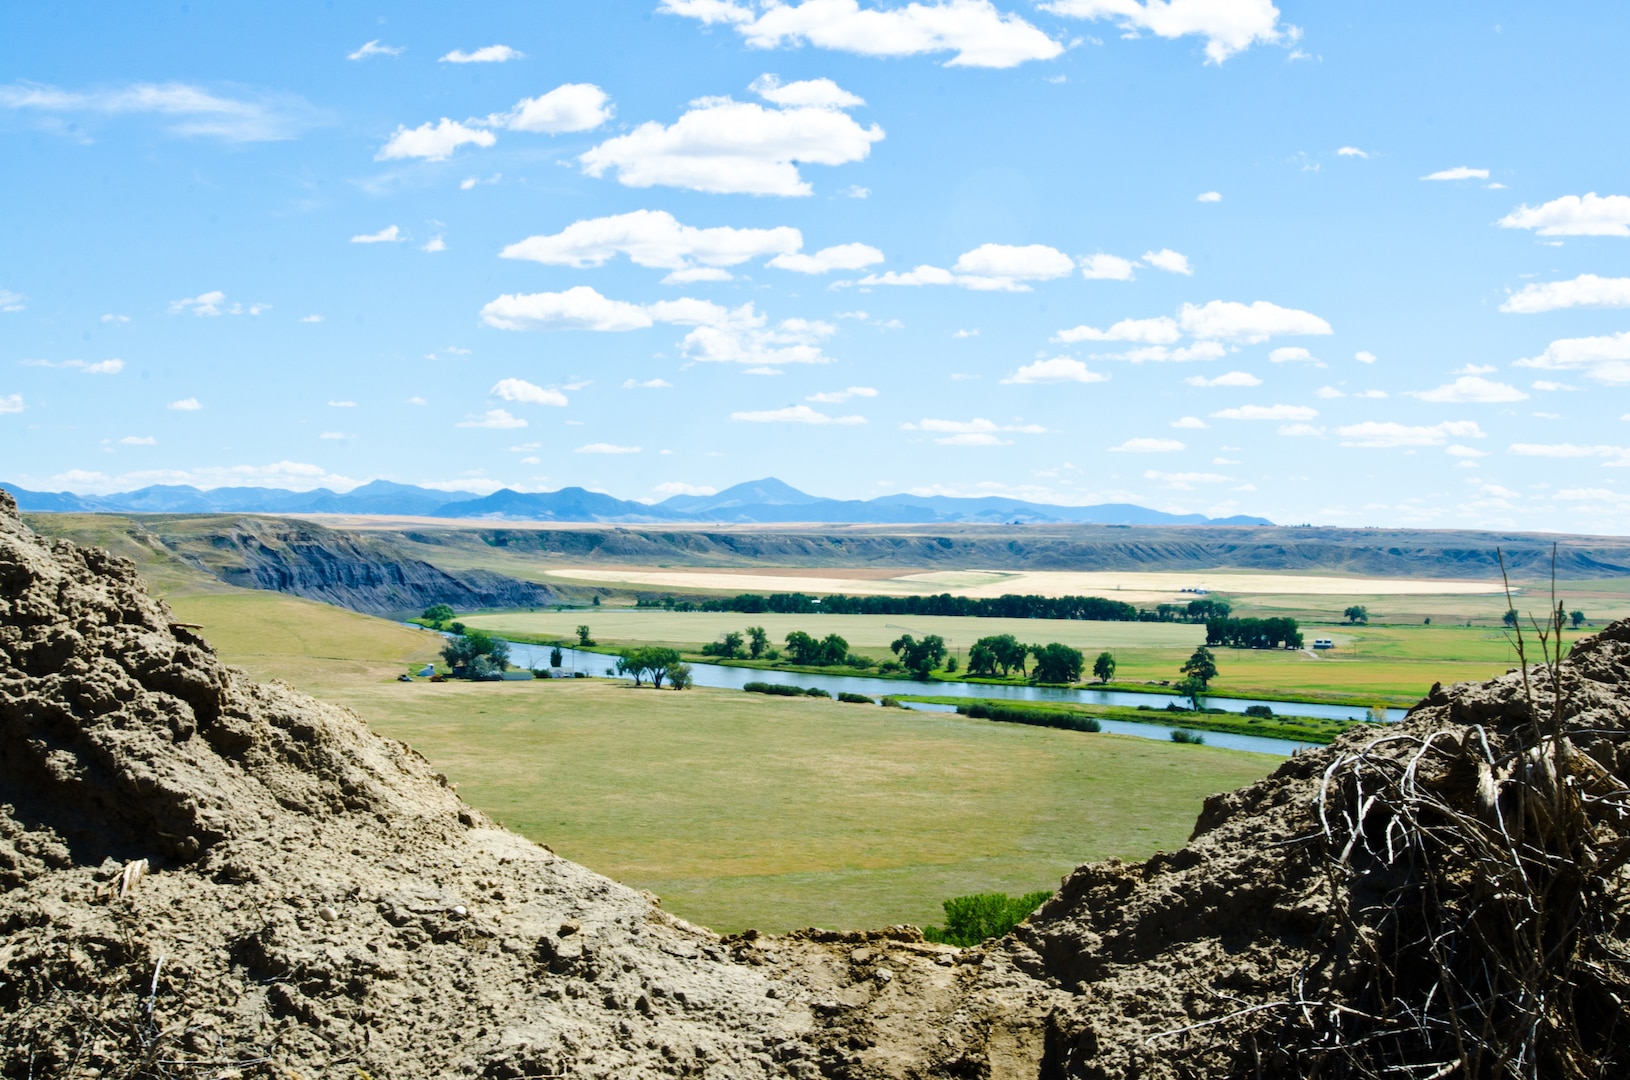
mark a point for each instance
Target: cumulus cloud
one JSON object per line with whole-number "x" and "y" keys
{"x": 524, "y": 393}
{"x": 1059, "y": 369}
{"x": 433, "y": 142}
{"x": 1229, "y": 28}
{"x": 1459, "y": 172}
{"x": 1267, "y": 412}
{"x": 1352, "y": 151}
{"x": 676, "y": 487}
{"x": 1381, "y": 435}
{"x": 567, "y": 108}
{"x": 213, "y": 303}
{"x": 795, "y": 414}
{"x": 987, "y": 268}
{"x": 729, "y": 147}
{"x": 1459, "y": 451}
{"x": 1190, "y": 423}
{"x": 1231, "y": 378}
{"x": 191, "y": 111}
{"x": 374, "y": 48}
{"x": 826, "y": 260}
{"x": 1148, "y": 445}
{"x": 1292, "y": 354}
{"x": 653, "y": 238}
{"x": 184, "y": 405}
{"x": 974, "y": 30}
{"x": 11, "y": 403}
{"x": 1574, "y": 215}
{"x": 837, "y": 397}
{"x": 490, "y": 54}
{"x": 1157, "y": 331}
{"x": 1471, "y": 389}
{"x": 605, "y": 448}
{"x": 311, "y": 318}
{"x": 1101, "y": 267}
{"x": 433, "y": 245}
{"x": 1209, "y": 196}
{"x": 1248, "y": 324}
{"x": 86, "y": 367}
{"x": 1586, "y": 290}
{"x": 578, "y": 308}
{"x": 744, "y": 336}
{"x": 497, "y": 419}
{"x": 815, "y": 93}
{"x": 138, "y": 440}
{"x": 1160, "y": 354}
{"x": 1173, "y": 262}
{"x": 11, "y": 301}
{"x": 1605, "y": 359}
{"x": 1364, "y": 357}
{"x": 390, "y": 234}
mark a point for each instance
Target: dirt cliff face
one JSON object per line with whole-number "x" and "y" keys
{"x": 200, "y": 876}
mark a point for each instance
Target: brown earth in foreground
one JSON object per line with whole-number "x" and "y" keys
{"x": 1446, "y": 899}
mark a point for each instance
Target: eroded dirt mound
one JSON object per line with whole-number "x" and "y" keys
{"x": 200, "y": 876}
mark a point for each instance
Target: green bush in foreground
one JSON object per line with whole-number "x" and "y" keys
{"x": 1007, "y": 714}
{"x": 1193, "y": 738}
{"x": 855, "y": 699}
{"x": 778, "y": 690}
{"x": 970, "y": 920}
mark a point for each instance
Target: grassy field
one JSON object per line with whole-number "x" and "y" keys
{"x": 738, "y": 809}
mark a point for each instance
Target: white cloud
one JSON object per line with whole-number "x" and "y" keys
{"x": 207, "y": 304}
{"x": 729, "y": 147}
{"x": 435, "y": 244}
{"x": 837, "y": 397}
{"x": 311, "y": 318}
{"x": 1460, "y": 172}
{"x": 433, "y": 142}
{"x": 184, "y": 405}
{"x": 374, "y": 48}
{"x": 1209, "y": 196}
{"x": 1371, "y": 394}
{"x": 1352, "y": 151}
{"x": 1147, "y": 445}
{"x": 11, "y": 301}
{"x": 1574, "y": 215}
{"x": 293, "y": 475}
{"x": 11, "y": 403}
{"x": 193, "y": 112}
{"x": 675, "y": 487}
{"x": 1101, "y": 267}
{"x": 138, "y": 440}
{"x": 578, "y": 308}
{"x": 1300, "y": 430}
{"x": 100, "y": 367}
{"x": 745, "y": 337}
{"x": 975, "y": 432}
{"x": 1160, "y": 354}
{"x": 1248, "y": 324}
{"x": 1329, "y": 393}
{"x": 795, "y": 414}
{"x": 1057, "y": 370}
{"x": 118, "y": 319}
{"x": 855, "y": 191}
{"x": 1185, "y": 481}
{"x": 342, "y": 404}
{"x": 1549, "y": 385}
{"x": 1192, "y": 423}
{"x": 1157, "y": 331}
{"x": 1231, "y": 378}
{"x": 1376, "y": 434}
{"x": 1605, "y": 359}
{"x": 824, "y": 261}
{"x": 524, "y": 393}
{"x": 698, "y": 273}
{"x": 605, "y": 448}
{"x": 1471, "y": 389}
{"x": 922, "y": 275}
{"x": 965, "y": 333}
{"x": 656, "y": 239}
{"x": 1172, "y": 262}
{"x": 491, "y": 54}
{"x": 1229, "y": 26}
{"x": 1619, "y": 455}
{"x": 1586, "y": 290}
{"x": 390, "y": 234}
{"x": 1364, "y": 357}
{"x": 1475, "y": 369}
{"x": 1267, "y": 412}
{"x": 567, "y": 108}
{"x": 499, "y": 419}
{"x": 979, "y": 34}
{"x": 813, "y": 93}
{"x": 987, "y": 268}
{"x": 1291, "y": 354}
{"x": 648, "y": 384}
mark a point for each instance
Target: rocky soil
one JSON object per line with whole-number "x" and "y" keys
{"x": 200, "y": 876}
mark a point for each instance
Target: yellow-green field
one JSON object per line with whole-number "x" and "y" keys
{"x": 739, "y": 809}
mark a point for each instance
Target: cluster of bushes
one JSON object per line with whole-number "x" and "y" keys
{"x": 970, "y": 920}
{"x": 476, "y": 654}
{"x": 655, "y": 663}
{"x": 1192, "y": 738}
{"x": 778, "y": 690}
{"x": 1009, "y": 714}
{"x": 1011, "y": 606}
{"x": 855, "y": 699}
{"x": 1275, "y": 633}
{"x": 1055, "y": 663}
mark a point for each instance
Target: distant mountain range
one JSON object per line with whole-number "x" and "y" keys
{"x": 767, "y": 500}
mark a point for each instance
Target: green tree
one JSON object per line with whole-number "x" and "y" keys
{"x": 1358, "y": 613}
{"x": 981, "y": 659}
{"x": 584, "y": 641}
{"x": 1510, "y": 617}
{"x": 757, "y": 641}
{"x": 1003, "y": 650}
{"x": 596, "y": 601}
{"x": 1201, "y": 666}
{"x": 1578, "y": 619}
{"x": 803, "y": 649}
{"x": 970, "y": 920}
{"x": 1193, "y": 689}
{"x": 834, "y": 650}
{"x": 919, "y": 657}
{"x": 1103, "y": 668}
{"x": 651, "y": 662}
{"x": 728, "y": 646}
{"x": 679, "y": 676}
{"x": 1056, "y": 663}
{"x": 554, "y": 657}
{"x": 436, "y": 614}
{"x": 462, "y": 652}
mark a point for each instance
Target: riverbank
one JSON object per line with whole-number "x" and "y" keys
{"x": 1297, "y": 729}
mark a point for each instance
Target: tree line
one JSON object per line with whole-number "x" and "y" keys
{"x": 1275, "y": 633}
{"x": 1011, "y": 606}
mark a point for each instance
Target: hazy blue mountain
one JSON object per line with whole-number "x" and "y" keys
{"x": 768, "y": 500}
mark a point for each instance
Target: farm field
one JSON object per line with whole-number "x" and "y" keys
{"x": 738, "y": 809}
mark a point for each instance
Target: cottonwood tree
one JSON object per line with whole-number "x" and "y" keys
{"x": 1358, "y": 613}
{"x": 1103, "y": 668}
{"x": 919, "y": 657}
{"x": 1056, "y": 663}
{"x": 1201, "y": 666}
{"x": 757, "y": 641}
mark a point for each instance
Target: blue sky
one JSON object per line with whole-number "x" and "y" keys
{"x": 1344, "y": 264}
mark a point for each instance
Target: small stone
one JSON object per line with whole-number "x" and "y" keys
{"x": 860, "y": 956}
{"x": 328, "y": 914}
{"x": 883, "y": 975}
{"x": 459, "y": 911}
{"x": 568, "y": 928}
